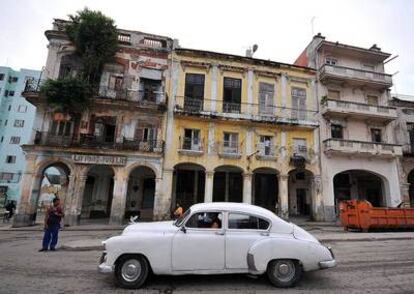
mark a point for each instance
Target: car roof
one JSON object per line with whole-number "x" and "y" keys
{"x": 278, "y": 224}
{"x": 228, "y": 206}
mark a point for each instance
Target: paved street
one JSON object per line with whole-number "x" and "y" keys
{"x": 385, "y": 266}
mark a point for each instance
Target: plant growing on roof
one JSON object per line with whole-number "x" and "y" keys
{"x": 95, "y": 37}
{"x": 67, "y": 95}
{"x": 96, "y": 40}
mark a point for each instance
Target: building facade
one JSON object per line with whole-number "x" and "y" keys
{"x": 404, "y": 132}
{"x": 111, "y": 154}
{"x": 241, "y": 129}
{"x": 360, "y": 155}
{"x": 16, "y": 121}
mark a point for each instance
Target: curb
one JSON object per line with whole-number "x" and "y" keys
{"x": 322, "y": 240}
{"x": 83, "y": 248}
{"x": 366, "y": 239}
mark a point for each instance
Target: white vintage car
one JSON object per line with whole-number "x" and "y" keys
{"x": 215, "y": 238}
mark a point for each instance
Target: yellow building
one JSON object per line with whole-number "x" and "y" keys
{"x": 241, "y": 129}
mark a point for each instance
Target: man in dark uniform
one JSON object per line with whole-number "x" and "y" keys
{"x": 53, "y": 218}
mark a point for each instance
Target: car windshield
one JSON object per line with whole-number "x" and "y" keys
{"x": 179, "y": 221}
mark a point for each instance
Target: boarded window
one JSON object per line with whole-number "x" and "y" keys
{"x": 334, "y": 94}
{"x": 372, "y": 100}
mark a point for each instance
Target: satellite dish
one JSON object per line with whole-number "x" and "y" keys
{"x": 255, "y": 47}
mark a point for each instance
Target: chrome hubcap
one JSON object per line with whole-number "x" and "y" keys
{"x": 284, "y": 271}
{"x": 131, "y": 270}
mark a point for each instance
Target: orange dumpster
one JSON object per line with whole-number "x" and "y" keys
{"x": 361, "y": 215}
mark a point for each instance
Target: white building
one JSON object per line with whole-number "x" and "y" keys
{"x": 359, "y": 157}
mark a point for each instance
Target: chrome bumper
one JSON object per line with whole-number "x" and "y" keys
{"x": 327, "y": 264}
{"x": 105, "y": 269}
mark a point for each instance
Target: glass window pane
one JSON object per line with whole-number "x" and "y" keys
{"x": 205, "y": 220}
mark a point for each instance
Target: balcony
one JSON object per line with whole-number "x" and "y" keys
{"x": 354, "y": 76}
{"x": 95, "y": 142}
{"x": 105, "y": 95}
{"x": 361, "y": 148}
{"x": 408, "y": 150}
{"x": 345, "y": 109}
{"x": 228, "y": 149}
{"x": 191, "y": 147}
{"x": 266, "y": 151}
{"x": 244, "y": 111}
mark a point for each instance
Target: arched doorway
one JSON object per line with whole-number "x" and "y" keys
{"x": 228, "y": 184}
{"x": 54, "y": 183}
{"x": 300, "y": 190}
{"x": 140, "y": 194}
{"x": 98, "y": 194}
{"x": 359, "y": 184}
{"x": 410, "y": 180}
{"x": 189, "y": 181}
{"x": 265, "y": 188}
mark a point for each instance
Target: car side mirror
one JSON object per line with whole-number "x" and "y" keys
{"x": 183, "y": 229}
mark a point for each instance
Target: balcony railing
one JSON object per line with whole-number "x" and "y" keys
{"x": 33, "y": 85}
{"x": 228, "y": 149}
{"x": 358, "y": 147}
{"x": 408, "y": 150}
{"x": 143, "y": 96}
{"x": 92, "y": 141}
{"x": 359, "y": 108}
{"x": 266, "y": 151}
{"x": 355, "y": 73}
{"x": 191, "y": 147}
{"x": 251, "y": 111}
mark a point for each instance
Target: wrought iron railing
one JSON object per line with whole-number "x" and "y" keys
{"x": 266, "y": 150}
{"x": 92, "y": 141}
{"x": 188, "y": 144}
{"x": 252, "y": 111}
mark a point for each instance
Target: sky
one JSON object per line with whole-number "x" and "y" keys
{"x": 282, "y": 29}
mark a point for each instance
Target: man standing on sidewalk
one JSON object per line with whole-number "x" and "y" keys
{"x": 53, "y": 218}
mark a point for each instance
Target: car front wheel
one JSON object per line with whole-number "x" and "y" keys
{"x": 284, "y": 273}
{"x": 131, "y": 271}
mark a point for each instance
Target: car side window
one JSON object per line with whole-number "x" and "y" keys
{"x": 205, "y": 220}
{"x": 242, "y": 221}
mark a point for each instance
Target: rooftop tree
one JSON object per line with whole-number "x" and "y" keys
{"x": 95, "y": 37}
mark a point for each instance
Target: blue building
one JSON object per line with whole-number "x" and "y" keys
{"x": 16, "y": 127}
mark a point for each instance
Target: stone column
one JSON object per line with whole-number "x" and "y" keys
{"x": 73, "y": 218}
{"x": 68, "y": 198}
{"x": 162, "y": 199}
{"x": 208, "y": 191}
{"x": 316, "y": 199}
{"x": 247, "y": 188}
{"x": 405, "y": 193}
{"x": 195, "y": 189}
{"x": 283, "y": 196}
{"x": 119, "y": 197}
{"x": 30, "y": 190}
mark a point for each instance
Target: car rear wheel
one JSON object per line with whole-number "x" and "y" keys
{"x": 131, "y": 271}
{"x": 284, "y": 273}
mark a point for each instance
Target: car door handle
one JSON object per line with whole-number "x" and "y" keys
{"x": 219, "y": 233}
{"x": 264, "y": 234}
